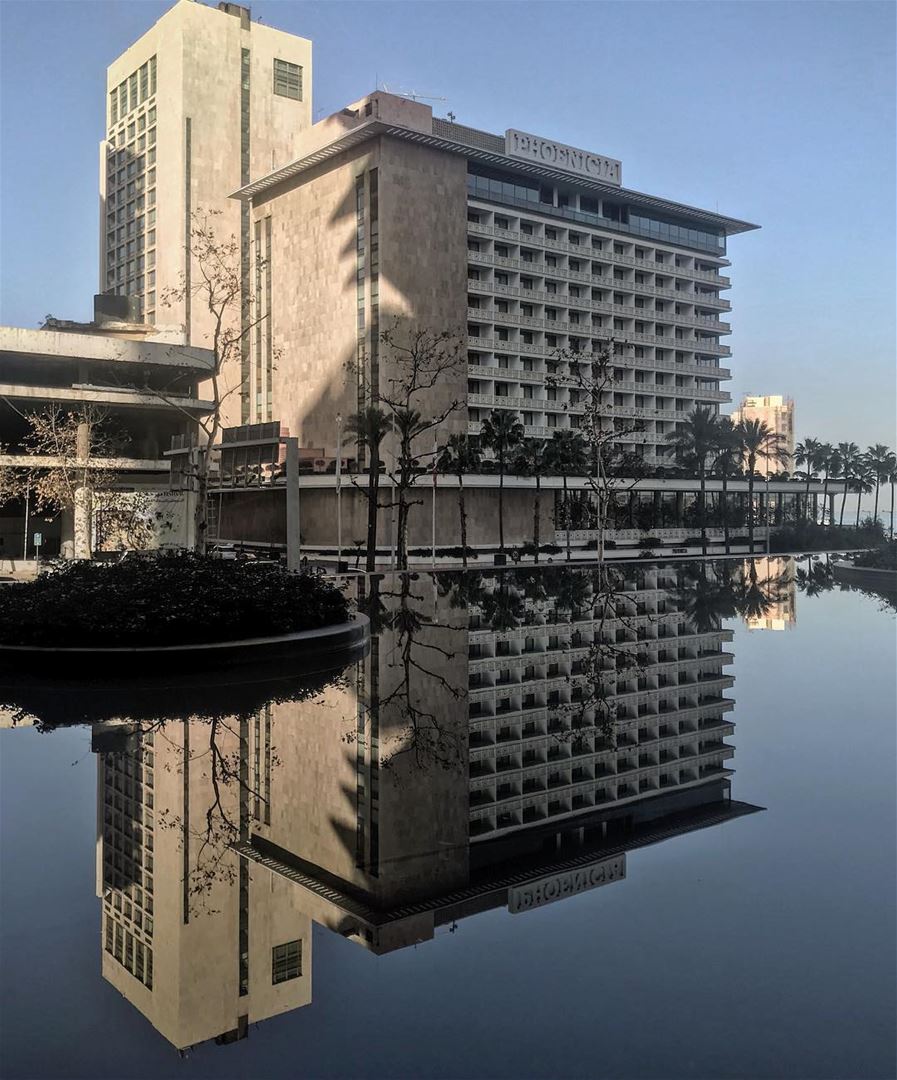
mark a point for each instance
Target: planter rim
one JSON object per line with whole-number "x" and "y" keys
{"x": 358, "y": 622}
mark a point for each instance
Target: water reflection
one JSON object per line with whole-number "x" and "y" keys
{"x": 505, "y": 740}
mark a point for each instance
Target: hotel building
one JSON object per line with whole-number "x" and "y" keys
{"x": 532, "y": 252}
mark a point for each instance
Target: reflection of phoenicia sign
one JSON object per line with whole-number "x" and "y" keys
{"x": 559, "y": 156}
{"x": 547, "y": 890}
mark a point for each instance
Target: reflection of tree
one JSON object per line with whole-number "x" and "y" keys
{"x": 425, "y": 736}
{"x": 707, "y": 594}
{"x": 757, "y": 596}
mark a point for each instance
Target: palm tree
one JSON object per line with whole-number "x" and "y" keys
{"x": 807, "y": 453}
{"x": 534, "y": 459}
{"x": 370, "y": 427}
{"x": 726, "y": 462}
{"x": 757, "y": 438}
{"x": 460, "y": 456}
{"x": 830, "y": 463}
{"x": 850, "y": 456}
{"x": 568, "y": 457}
{"x": 878, "y": 458}
{"x": 863, "y": 482}
{"x": 696, "y": 438}
{"x": 892, "y": 480}
{"x": 501, "y": 432}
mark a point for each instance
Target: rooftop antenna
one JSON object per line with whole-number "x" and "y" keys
{"x": 411, "y": 95}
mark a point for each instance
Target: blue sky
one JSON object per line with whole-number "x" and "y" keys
{"x": 780, "y": 113}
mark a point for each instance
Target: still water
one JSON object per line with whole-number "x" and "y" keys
{"x": 555, "y": 823}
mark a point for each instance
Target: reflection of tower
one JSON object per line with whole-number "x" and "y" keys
{"x": 202, "y": 943}
{"x": 773, "y": 583}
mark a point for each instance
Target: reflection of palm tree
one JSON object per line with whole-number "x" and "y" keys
{"x": 816, "y": 579}
{"x": 501, "y": 432}
{"x": 755, "y": 598}
{"x": 705, "y": 599}
{"x": 503, "y": 609}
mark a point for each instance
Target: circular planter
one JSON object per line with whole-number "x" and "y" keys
{"x": 87, "y": 685}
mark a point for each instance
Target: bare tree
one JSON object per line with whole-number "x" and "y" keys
{"x": 416, "y": 361}
{"x": 72, "y": 454}
{"x": 589, "y": 379}
{"x": 216, "y": 284}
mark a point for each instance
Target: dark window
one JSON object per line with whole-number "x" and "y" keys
{"x": 286, "y": 962}
{"x": 288, "y": 80}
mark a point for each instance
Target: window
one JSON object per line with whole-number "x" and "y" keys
{"x": 288, "y": 80}
{"x": 286, "y": 962}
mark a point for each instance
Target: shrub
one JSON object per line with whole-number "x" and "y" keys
{"x": 808, "y": 536}
{"x": 171, "y": 598}
{"x": 650, "y": 542}
{"x": 552, "y": 549}
{"x": 444, "y": 552}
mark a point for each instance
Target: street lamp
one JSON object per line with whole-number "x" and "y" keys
{"x": 339, "y": 507}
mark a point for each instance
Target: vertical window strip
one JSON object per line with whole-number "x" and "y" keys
{"x": 257, "y": 315}
{"x": 269, "y": 331}
{"x": 245, "y": 380}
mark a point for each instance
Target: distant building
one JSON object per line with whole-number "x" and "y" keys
{"x": 777, "y": 413}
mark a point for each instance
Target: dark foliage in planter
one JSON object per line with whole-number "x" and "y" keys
{"x": 175, "y": 598}
{"x": 808, "y": 536}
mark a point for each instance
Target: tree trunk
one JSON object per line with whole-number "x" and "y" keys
{"x": 859, "y": 501}
{"x": 567, "y": 517}
{"x": 702, "y": 508}
{"x": 373, "y": 508}
{"x": 726, "y": 512}
{"x": 463, "y": 516}
{"x": 891, "y": 530}
{"x": 501, "y": 503}
{"x": 751, "y": 508}
{"x": 825, "y": 501}
{"x": 807, "y": 496}
{"x": 536, "y": 516}
{"x": 844, "y": 499}
{"x": 875, "y": 511}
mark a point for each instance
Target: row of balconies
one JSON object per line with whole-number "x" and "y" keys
{"x": 584, "y": 305}
{"x": 532, "y": 269}
{"x": 703, "y": 368}
{"x": 545, "y": 405}
{"x": 502, "y": 787}
{"x": 524, "y": 348}
{"x": 533, "y": 374}
{"x": 604, "y": 254}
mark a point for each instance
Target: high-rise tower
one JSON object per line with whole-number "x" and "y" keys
{"x": 205, "y": 100}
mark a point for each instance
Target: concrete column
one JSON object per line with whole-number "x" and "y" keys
{"x": 82, "y": 510}
{"x": 294, "y": 541}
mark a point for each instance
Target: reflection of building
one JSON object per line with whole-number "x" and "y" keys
{"x": 202, "y": 943}
{"x": 204, "y": 100}
{"x": 419, "y": 810}
{"x": 505, "y": 742}
{"x": 775, "y": 579}
{"x": 777, "y": 413}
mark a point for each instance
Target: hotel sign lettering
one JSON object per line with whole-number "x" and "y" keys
{"x": 546, "y": 890}
{"x": 519, "y": 144}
